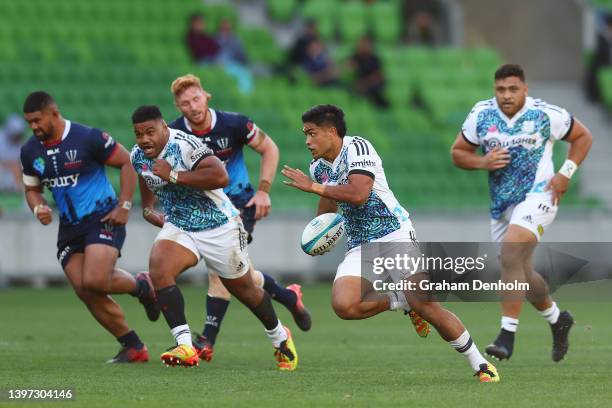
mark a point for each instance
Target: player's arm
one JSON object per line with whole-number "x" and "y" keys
{"x": 147, "y": 198}
{"x": 120, "y": 159}
{"x": 580, "y": 140}
{"x": 464, "y": 156}
{"x": 37, "y": 203}
{"x": 208, "y": 174}
{"x": 327, "y": 205}
{"x": 265, "y": 146}
{"x": 34, "y": 191}
{"x": 356, "y": 192}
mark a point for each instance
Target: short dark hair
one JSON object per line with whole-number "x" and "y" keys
{"x": 196, "y": 16}
{"x": 510, "y": 70}
{"x": 326, "y": 114}
{"x": 37, "y": 101}
{"x": 146, "y": 112}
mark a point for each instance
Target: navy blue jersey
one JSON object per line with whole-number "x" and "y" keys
{"x": 73, "y": 170}
{"x": 229, "y": 133}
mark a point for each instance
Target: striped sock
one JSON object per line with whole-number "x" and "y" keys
{"x": 397, "y": 300}
{"x": 277, "y": 335}
{"x": 464, "y": 345}
{"x": 182, "y": 334}
{"x": 509, "y": 324}
{"x": 551, "y": 314}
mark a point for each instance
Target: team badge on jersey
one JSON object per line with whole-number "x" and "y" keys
{"x": 529, "y": 126}
{"x": 39, "y": 165}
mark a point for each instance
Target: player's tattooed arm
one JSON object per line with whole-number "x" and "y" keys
{"x": 147, "y": 199}
{"x": 127, "y": 181}
{"x": 465, "y": 157}
{"x": 356, "y": 192}
{"x": 38, "y": 204}
{"x": 210, "y": 174}
{"x": 580, "y": 140}
{"x": 265, "y": 146}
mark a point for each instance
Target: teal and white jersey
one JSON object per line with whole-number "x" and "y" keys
{"x": 528, "y": 136}
{"x": 187, "y": 208}
{"x": 382, "y": 213}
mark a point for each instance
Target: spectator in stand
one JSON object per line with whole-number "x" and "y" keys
{"x": 11, "y": 136}
{"x": 601, "y": 59}
{"x": 370, "y": 80}
{"x": 423, "y": 30}
{"x": 299, "y": 51}
{"x": 202, "y": 47}
{"x": 319, "y": 66}
{"x": 232, "y": 56}
{"x": 425, "y": 22}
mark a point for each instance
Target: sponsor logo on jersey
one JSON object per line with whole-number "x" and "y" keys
{"x": 108, "y": 138}
{"x": 154, "y": 182}
{"x": 493, "y": 142}
{"x": 199, "y": 153}
{"x": 51, "y": 152}
{"x": 39, "y": 165}
{"x": 363, "y": 163}
{"x": 63, "y": 181}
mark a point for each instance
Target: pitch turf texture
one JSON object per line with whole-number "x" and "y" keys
{"x": 49, "y": 340}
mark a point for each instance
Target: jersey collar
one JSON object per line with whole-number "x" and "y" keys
{"x": 345, "y": 143}
{"x": 213, "y": 122}
{"x": 525, "y": 108}
{"x": 67, "y": 125}
{"x": 170, "y": 139}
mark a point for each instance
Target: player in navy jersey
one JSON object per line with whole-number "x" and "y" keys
{"x": 516, "y": 134}
{"x": 226, "y": 133}
{"x": 69, "y": 159}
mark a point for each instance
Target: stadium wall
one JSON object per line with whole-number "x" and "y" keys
{"x": 529, "y": 33}
{"x": 27, "y": 250}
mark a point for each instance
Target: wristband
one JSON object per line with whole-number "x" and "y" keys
{"x": 264, "y": 186}
{"x": 126, "y": 205}
{"x": 37, "y": 208}
{"x": 173, "y": 176}
{"x": 146, "y": 211}
{"x": 568, "y": 169}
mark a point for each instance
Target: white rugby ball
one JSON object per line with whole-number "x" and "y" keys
{"x": 322, "y": 233}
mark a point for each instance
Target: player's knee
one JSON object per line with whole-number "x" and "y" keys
{"x": 511, "y": 258}
{"x": 346, "y": 310}
{"x": 160, "y": 279}
{"x": 85, "y": 295}
{"x": 95, "y": 284}
{"x": 216, "y": 288}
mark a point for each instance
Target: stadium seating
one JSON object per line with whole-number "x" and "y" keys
{"x": 101, "y": 60}
{"x": 605, "y": 82}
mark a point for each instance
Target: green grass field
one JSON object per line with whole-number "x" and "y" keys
{"x": 48, "y": 340}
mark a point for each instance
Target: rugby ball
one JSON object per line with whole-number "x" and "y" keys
{"x": 322, "y": 234}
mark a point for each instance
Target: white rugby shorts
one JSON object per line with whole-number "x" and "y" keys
{"x": 224, "y": 248}
{"x": 535, "y": 213}
{"x": 351, "y": 265}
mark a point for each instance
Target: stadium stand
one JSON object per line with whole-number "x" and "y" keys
{"x": 102, "y": 59}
